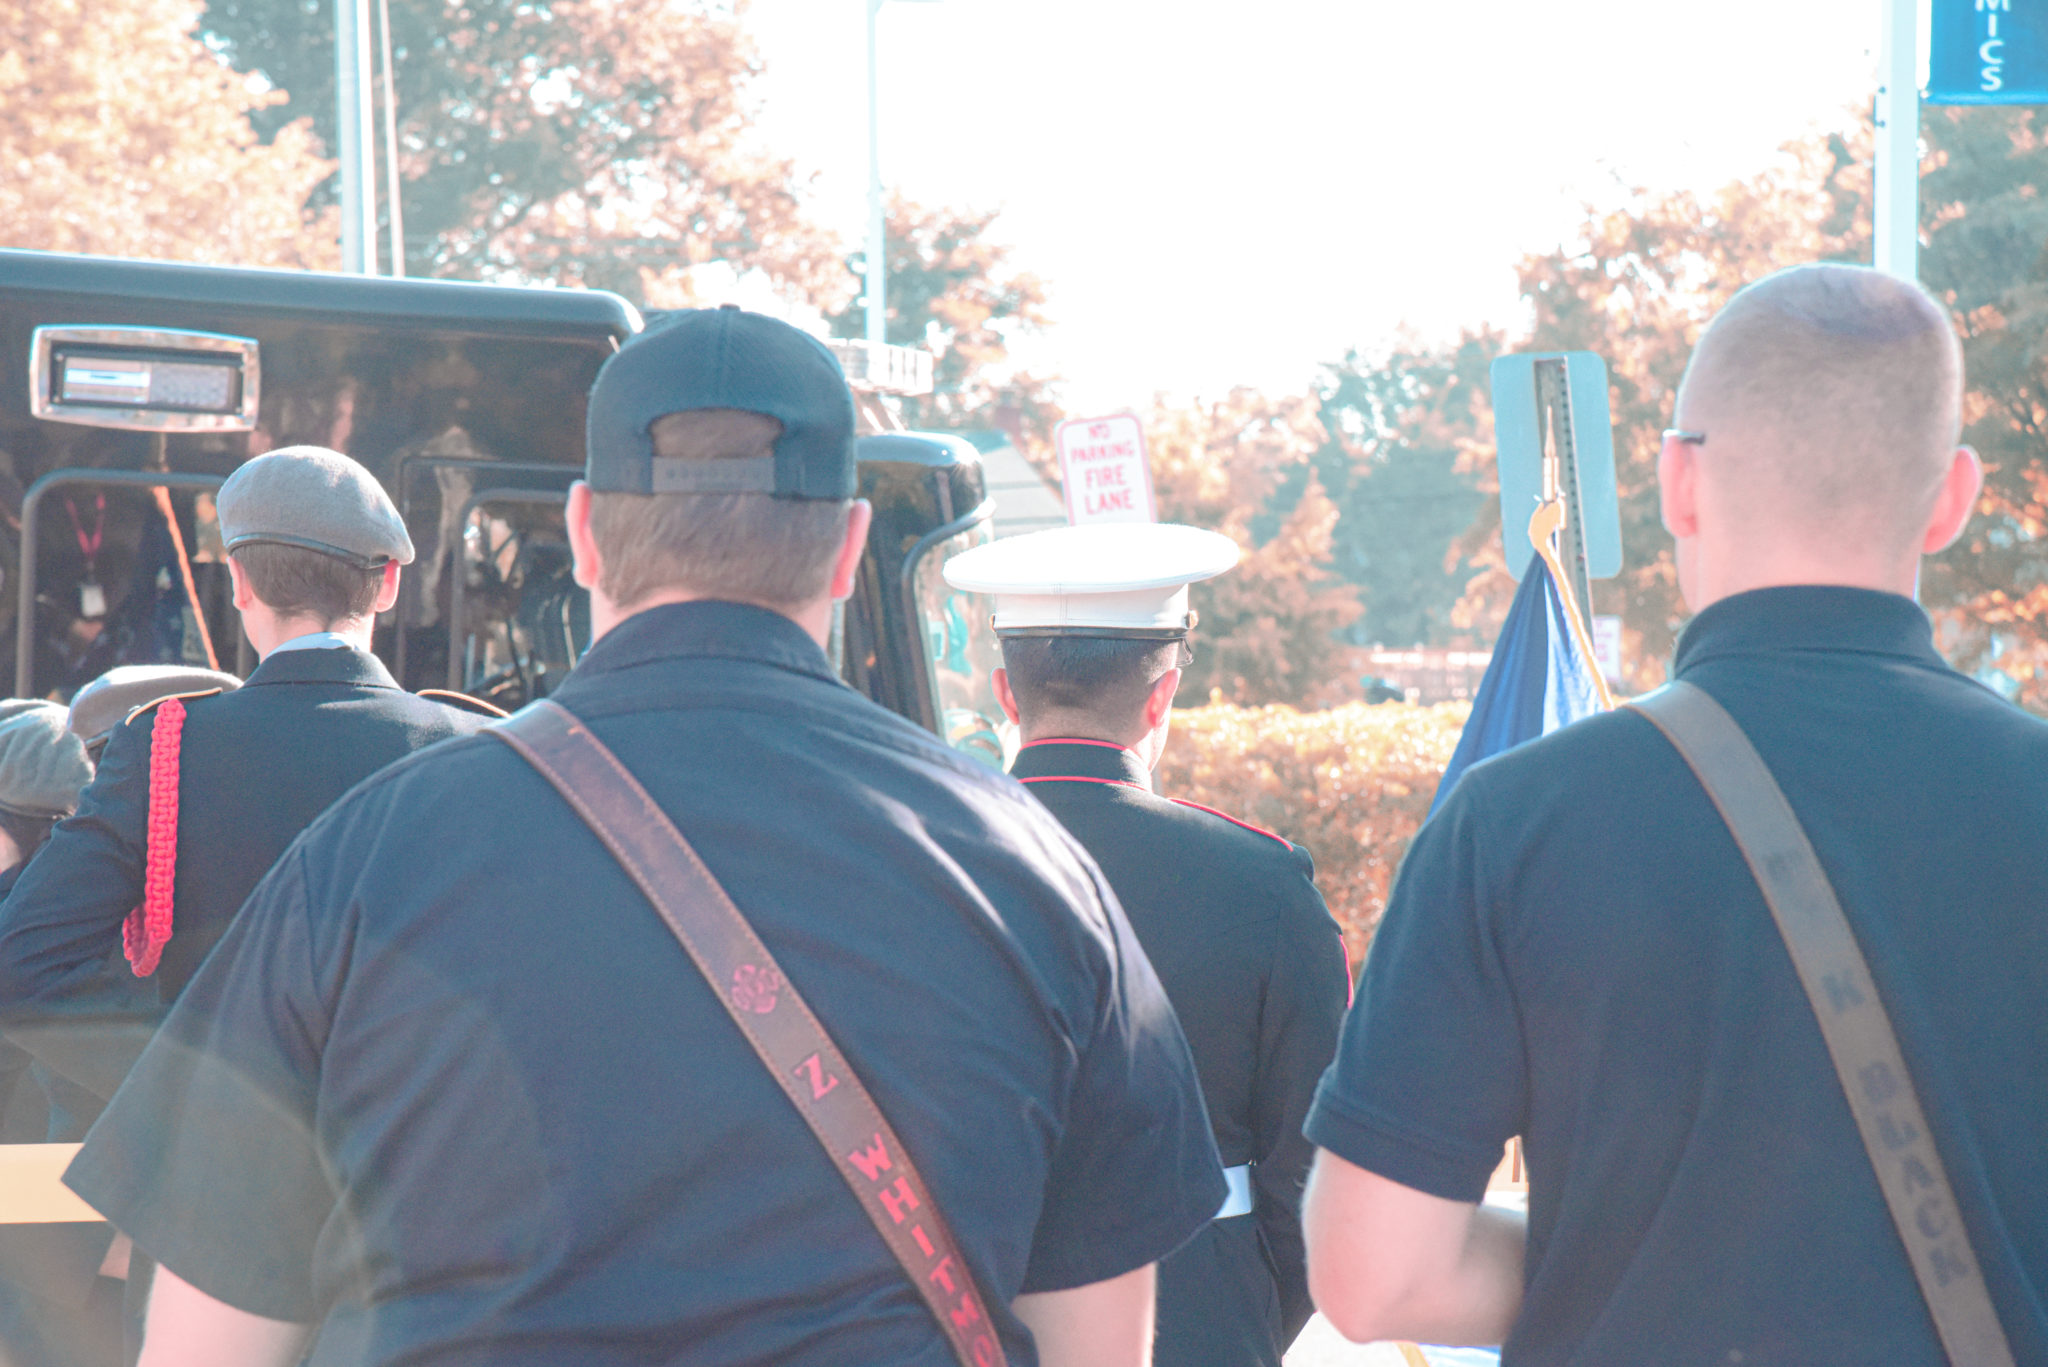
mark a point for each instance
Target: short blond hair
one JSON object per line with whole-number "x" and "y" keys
{"x": 1830, "y": 397}
{"x": 747, "y": 548}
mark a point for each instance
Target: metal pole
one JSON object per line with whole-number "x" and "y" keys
{"x": 393, "y": 213}
{"x": 354, "y": 140}
{"x": 1561, "y": 477}
{"x": 1895, "y": 208}
{"x": 877, "y": 264}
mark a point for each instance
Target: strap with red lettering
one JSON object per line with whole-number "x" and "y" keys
{"x": 148, "y": 928}
{"x": 789, "y": 1040}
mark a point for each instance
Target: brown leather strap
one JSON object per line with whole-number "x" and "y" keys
{"x": 775, "y": 1019}
{"x": 1853, "y": 1021}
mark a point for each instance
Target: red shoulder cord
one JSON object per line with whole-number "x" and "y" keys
{"x": 148, "y": 928}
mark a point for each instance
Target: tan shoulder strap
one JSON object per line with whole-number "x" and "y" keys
{"x": 1853, "y": 1021}
{"x": 789, "y": 1040}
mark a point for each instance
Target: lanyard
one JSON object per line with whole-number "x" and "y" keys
{"x": 89, "y": 545}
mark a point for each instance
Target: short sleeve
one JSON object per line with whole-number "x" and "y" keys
{"x": 1429, "y": 1082}
{"x": 207, "y": 1157}
{"x": 1136, "y": 1172}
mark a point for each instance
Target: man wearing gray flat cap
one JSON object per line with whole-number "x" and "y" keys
{"x": 100, "y": 707}
{"x": 199, "y": 791}
{"x": 43, "y": 767}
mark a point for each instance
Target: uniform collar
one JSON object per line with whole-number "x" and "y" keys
{"x": 349, "y": 666}
{"x": 1087, "y": 761}
{"x": 315, "y": 640}
{"x": 733, "y": 631}
{"x": 1809, "y": 617}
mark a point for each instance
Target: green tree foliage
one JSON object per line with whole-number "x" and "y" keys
{"x": 1987, "y": 256}
{"x": 1400, "y": 428}
{"x": 593, "y": 142}
{"x": 954, "y": 290}
{"x": 1268, "y": 631}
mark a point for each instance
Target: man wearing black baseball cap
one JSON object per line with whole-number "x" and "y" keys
{"x": 484, "y": 1108}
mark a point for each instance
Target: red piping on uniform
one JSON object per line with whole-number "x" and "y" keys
{"x": 1075, "y": 740}
{"x": 148, "y": 928}
{"x": 1234, "y": 821}
{"x": 1083, "y": 778}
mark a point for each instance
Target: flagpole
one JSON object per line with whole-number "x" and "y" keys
{"x": 1895, "y": 195}
{"x": 1544, "y": 525}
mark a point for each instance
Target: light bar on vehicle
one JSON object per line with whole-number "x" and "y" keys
{"x": 878, "y": 369}
{"x": 143, "y": 379}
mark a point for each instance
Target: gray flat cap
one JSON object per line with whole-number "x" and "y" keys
{"x": 317, "y": 499}
{"x": 105, "y": 703}
{"x": 43, "y": 767}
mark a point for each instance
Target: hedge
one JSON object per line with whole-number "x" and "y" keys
{"x": 1351, "y": 783}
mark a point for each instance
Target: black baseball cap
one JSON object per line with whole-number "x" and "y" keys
{"x": 723, "y": 358}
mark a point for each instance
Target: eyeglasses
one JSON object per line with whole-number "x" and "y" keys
{"x": 1679, "y": 434}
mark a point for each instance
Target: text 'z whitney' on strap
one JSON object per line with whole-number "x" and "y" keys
{"x": 1853, "y": 1021}
{"x": 789, "y": 1040}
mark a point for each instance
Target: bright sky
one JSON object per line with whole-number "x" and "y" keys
{"x": 1223, "y": 194}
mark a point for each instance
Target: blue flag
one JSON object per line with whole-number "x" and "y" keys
{"x": 1538, "y": 679}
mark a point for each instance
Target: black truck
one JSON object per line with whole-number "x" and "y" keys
{"x": 129, "y": 389}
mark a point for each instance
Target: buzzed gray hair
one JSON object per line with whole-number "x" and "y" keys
{"x": 1831, "y": 397}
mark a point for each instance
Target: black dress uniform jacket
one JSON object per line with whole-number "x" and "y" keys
{"x": 255, "y": 767}
{"x": 1254, "y": 966}
{"x": 459, "y": 1096}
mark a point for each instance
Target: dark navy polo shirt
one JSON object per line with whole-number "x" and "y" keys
{"x": 1576, "y": 953}
{"x": 449, "y": 1084}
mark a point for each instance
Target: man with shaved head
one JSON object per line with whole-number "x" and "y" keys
{"x": 1576, "y": 952}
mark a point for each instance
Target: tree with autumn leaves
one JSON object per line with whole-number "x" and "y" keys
{"x": 1642, "y": 280}
{"x": 605, "y": 143}
{"x": 955, "y": 290}
{"x": 1268, "y": 629}
{"x": 149, "y": 155}
{"x": 609, "y": 143}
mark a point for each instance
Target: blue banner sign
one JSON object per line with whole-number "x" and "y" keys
{"x": 1988, "y": 52}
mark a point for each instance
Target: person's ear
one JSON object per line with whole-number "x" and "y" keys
{"x": 587, "y": 563}
{"x": 1159, "y": 701}
{"x": 846, "y": 569}
{"x": 1954, "y": 502}
{"x": 387, "y": 592}
{"x": 245, "y": 596}
{"x": 1005, "y": 699}
{"x": 1678, "y": 472}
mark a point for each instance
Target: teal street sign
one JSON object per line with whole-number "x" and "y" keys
{"x": 1555, "y": 403}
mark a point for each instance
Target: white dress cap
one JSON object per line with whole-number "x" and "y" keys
{"x": 1121, "y": 577}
